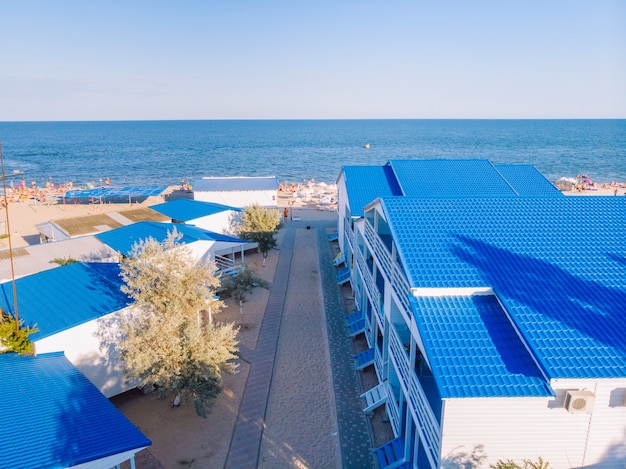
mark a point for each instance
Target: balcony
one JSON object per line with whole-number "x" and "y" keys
{"x": 370, "y": 286}
{"x": 427, "y": 423}
{"x": 390, "y": 268}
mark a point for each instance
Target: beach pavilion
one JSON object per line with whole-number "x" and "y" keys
{"x": 493, "y": 324}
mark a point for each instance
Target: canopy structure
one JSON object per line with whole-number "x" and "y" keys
{"x": 113, "y": 194}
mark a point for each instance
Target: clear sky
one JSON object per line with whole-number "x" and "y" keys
{"x": 318, "y": 59}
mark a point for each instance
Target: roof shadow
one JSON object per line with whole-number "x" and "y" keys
{"x": 534, "y": 290}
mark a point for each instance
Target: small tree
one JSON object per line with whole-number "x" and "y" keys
{"x": 238, "y": 286}
{"x": 64, "y": 260}
{"x": 260, "y": 225}
{"x": 14, "y": 336}
{"x": 166, "y": 340}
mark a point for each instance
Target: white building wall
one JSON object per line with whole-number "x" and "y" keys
{"x": 342, "y": 201}
{"x": 239, "y": 199}
{"x": 529, "y": 428}
{"x": 81, "y": 346}
{"x": 218, "y": 223}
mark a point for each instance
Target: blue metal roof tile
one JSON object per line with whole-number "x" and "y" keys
{"x": 187, "y": 209}
{"x": 124, "y": 238}
{"x": 450, "y": 178}
{"x": 482, "y": 356}
{"x": 62, "y": 298}
{"x": 366, "y": 183}
{"x": 562, "y": 278}
{"x": 527, "y": 181}
{"x": 53, "y": 417}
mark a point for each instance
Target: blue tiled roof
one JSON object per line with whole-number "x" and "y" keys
{"x": 124, "y": 238}
{"x": 473, "y": 349}
{"x": 450, "y": 178}
{"x": 527, "y": 181}
{"x": 558, "y": 264}
{"x": 267, "y": 183}
{"x": 53, "y": 417}
{"x": 61, "y": 298}
{"x": 366, "y": 183}
{"x": 187, "y": 209}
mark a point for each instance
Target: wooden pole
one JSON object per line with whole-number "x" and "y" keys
{"x": 6, "y": 204}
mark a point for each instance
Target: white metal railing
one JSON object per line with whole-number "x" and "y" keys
{"x": 349, "y": 235}
{"x": 426, "y": 422}
{"x": 227, "y": 266}
{"x": 392, "y": 410}
{"x": 370, "y": 286}
{"x": 390, "y": 268}
{"x": 223, "y": 262}
{"x": 378, "y": 364}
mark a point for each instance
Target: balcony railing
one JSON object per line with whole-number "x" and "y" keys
{"x": 390, "y": 269}
{"x": 378, "y": 364}
{"x": 392, "y": 410}
{"x": 370, "y": 286}
{"x": 427, "y": 423}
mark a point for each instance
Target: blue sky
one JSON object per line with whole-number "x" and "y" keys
{"x": 154, "y": 59}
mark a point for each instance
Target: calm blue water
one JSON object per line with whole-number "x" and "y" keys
{"x": 164, "y": 152}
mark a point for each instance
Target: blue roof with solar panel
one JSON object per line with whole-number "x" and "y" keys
{"x": 123, "y": 239}
{"x": 557, "y": 265}
{"x": 58, "y": 299}
{"x": 187, "y": 209}
{"x": 53, "y": 417}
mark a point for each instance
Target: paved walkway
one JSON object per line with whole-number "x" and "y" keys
{"x": 246, "y": 440}
{"x": 354, "y": 434}
{"x": 354, "y": 431}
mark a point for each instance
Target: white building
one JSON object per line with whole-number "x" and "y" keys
{"x": 67, "y": 305}
{"x": 237, "y": 191}
{"x": 493, "y": 308}
{"x": 206, "y": 215}
{"x": 227, "y": 252}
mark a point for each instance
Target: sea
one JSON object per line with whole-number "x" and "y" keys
{"x": 137, "y": 153}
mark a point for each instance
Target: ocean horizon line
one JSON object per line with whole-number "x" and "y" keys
{"x": 316, "y": 119}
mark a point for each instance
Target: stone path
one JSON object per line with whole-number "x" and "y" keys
{"x": 354, "y": 430}
{"x": 246, "y": 440}
{"x": 354, "y": 433}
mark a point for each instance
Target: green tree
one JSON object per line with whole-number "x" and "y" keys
{"x": 260, "y": 225}
{"x": 64, "y": 260}
{"x": 14, "y": 338}
{"x": 238, "y": 286}
{"x": 167, "y": 340}
{"x": 526, "y": 464}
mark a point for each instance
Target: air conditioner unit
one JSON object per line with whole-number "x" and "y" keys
{"x": 577, "y": 402}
